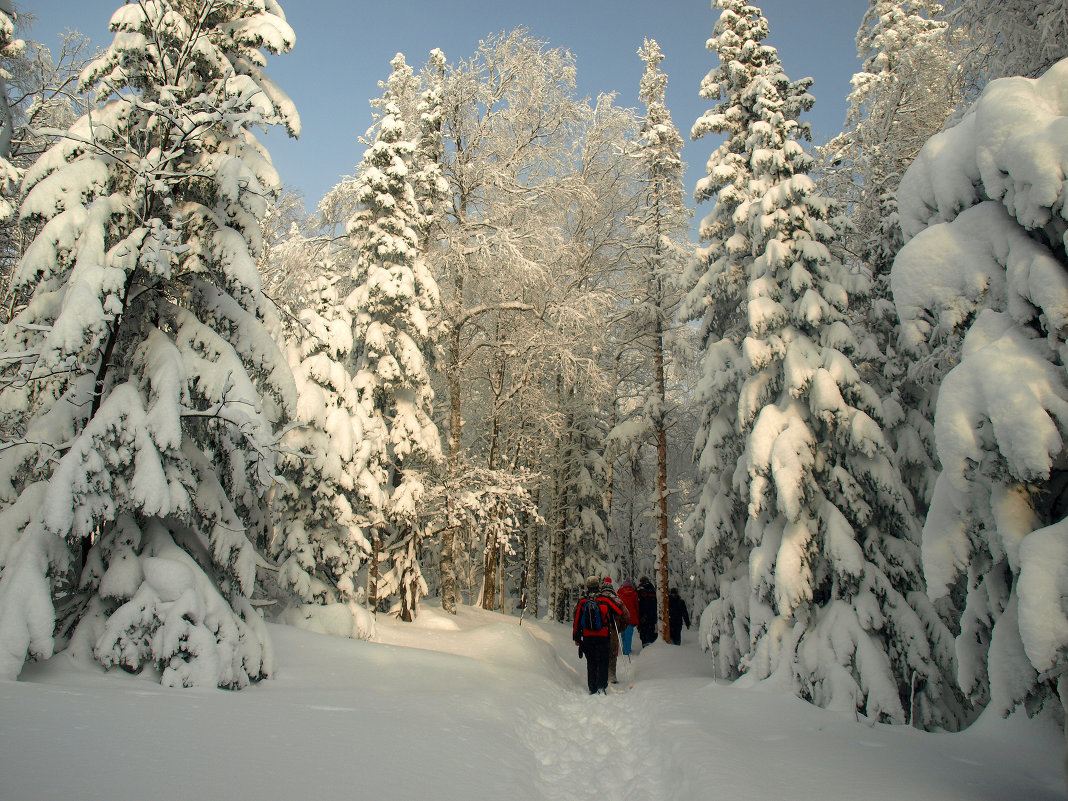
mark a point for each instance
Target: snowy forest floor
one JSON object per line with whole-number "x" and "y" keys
{"x": 479, "y": 707}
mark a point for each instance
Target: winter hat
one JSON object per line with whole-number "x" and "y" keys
{"x": 593, "y": 583}
{"x": 627, "y": 583}
{"x": 607, "y": 579}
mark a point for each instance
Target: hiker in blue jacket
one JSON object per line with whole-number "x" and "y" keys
{"x": 593, "y": 617}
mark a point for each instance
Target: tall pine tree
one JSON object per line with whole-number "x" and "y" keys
{"x": 829, "y": 538}
{"x": 394, "y": 306}
{"x": 716, "y": 280}
{"x": 901, "y": 96}
{"x": 660, "y": 224}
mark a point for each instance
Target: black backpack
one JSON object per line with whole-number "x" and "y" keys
{"x": 591, "y": 617}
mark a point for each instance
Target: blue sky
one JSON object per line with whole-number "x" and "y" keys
{"x": 344, "y": 47}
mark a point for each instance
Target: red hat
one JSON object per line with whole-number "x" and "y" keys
{"x": 607, "y": 579}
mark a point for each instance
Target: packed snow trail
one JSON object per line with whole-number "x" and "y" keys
{"x": 621, "y": 745}
{"x": 680, "y": 735}
{"x": 475, "y": 706}
{"x": 586, "y": 745}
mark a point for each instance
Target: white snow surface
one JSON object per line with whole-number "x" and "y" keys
{"x": 478, "y": 706}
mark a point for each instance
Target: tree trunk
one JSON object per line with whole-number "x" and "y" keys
{"x": 630, "y": 538}
{"x": 556, "y": 533}
{"x": 409, "y": 581}
{"x": 531, "y": 566}
{"x": 556, "y": 549}
{"x": 661, "y": 487}
{"x": 491, "y": 557}
{"x": 610, "y": 459}
{"x": 373, "y": 575}
{"x": 448, "y": 536}
{"x": 488, "y": 596}
{"x": 500, "y": 579}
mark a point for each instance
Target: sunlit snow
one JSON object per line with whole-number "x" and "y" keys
{"x": 482, "y": 707}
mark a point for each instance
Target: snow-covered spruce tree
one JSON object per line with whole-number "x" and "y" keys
{"x": 660, "y": 223}
{"x": 394, "y": 306}
{"x": 319, "y": 540}
{"x": 418, "y": 103}
{"x": 716, "y": 281}
{"x": 900, "y": 98}
{"x": 982, "y": 279}
{"x": 829, "y": 539}
{"x": 431, "y": 188}
{"x": 145, "y": 360}
{"x": 579, "y": 547}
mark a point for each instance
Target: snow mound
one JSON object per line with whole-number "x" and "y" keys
{"x": 340, "y": 620}
{"x": 1011, "y": 146}
{"x": 480, "y": 635}
{"x": 982, "y": 296}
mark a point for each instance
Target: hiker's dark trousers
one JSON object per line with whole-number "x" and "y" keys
{"x": 648, "y": 634}
{"x": 595, "y": 649}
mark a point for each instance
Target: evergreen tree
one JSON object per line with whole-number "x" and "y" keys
{"x": 901, "y": 96}
{"x": 659, "y": 224}
{"x": 829, "y": 537}
{"x": 716, "y": 281}
{"x": 147, "y": 368}
{"x": 319, "y": 542}
{"x": 580, "y": 547}
{"x": 393, "y": 306}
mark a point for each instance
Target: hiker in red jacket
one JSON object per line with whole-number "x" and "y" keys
{"x": 590, "y": 632}
{"x": 629, "y": 596}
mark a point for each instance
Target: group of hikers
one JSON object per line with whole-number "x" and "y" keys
{"x": 605, "y": 621}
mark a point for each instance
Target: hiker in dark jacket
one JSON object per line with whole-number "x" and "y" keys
{"x": 647, "y": 616}
{"x": 593, "y": 642}
{"x": 677, "y": 615}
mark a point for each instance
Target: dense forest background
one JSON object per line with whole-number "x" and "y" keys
{"x": 502, "y": 355}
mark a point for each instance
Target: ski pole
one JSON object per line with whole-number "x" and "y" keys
{"x": 619, "y": 636}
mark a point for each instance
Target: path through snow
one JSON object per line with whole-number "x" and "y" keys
{"x": 586, "y": 745}
{"x": 477, "y": 707}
